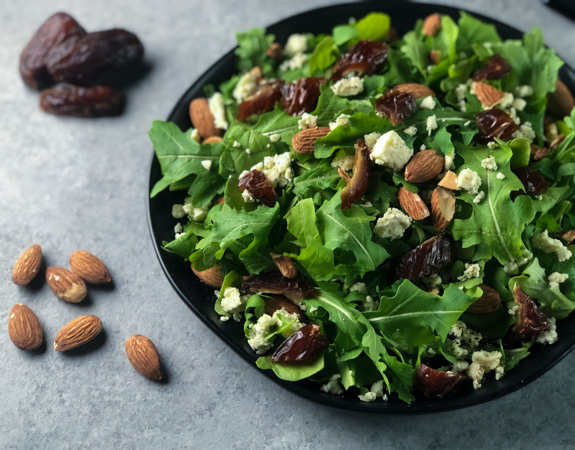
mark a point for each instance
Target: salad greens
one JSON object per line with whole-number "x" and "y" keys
{"x": 508, "y": 232}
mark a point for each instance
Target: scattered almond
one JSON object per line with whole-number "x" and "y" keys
{"x": 285, "y": 265}
{"x": 442, "y": 207}
{"x": 538, "y": 153}
{"x": 67, "y": 285}
{"x": 221, "y": 201}
{"x": 488, "y": 95}
{"x": 560, "y": 102}
{"x": 27, "y": 265}
{"x": 435, "y": 56}
{"x": 212, "y": 276}
{"x": 212, "y": 140}
{"x": 202, "y": 118}
{"x": 449, "y": 181}
{"x": 432, "y": 24}
{"x": 415, "y": 89}
{"x": 487, "y": 303}
{"x": 412, "y": 204}
{"x": 90, "y": 268}
{"x": 424, "y": 166}
{"x": 275, "y": 51}
{"x": 304, "y": 141}
{"x": 24, "y": 328}
{"x": 78, "y": 332}
{"x": 144, "y": 357}
{"x": 568, "y": 236}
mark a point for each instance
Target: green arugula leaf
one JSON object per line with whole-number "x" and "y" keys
{"x": 292, "y": 372}
{"x": 252, "y": 47}
{"x": 373, "y": 27}
{"x": 324, "y": 55}
{"x": 474, "y": 31}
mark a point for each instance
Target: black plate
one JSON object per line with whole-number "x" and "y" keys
{"x": 200, "y": 298}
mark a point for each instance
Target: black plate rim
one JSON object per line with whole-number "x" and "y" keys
{"x": 329, "y": 399}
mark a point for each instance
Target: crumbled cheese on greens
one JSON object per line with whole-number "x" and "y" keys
{"x": 307, "y": 121}
{"x": 391, "y": 151}
{"x": 347, "y": 87}
{"x": 469, "y": 180}
{"x": 392, "y": 225}
{"x": 549, "y": 245}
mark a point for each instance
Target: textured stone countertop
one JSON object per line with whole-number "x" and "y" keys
{"x": 69, "y": 183}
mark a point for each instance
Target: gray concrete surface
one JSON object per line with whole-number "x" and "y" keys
{"x": 71, "y": 183}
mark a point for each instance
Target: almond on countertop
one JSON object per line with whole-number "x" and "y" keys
{"x": 24, "y": 328}
{"x": 488, "y": 95}
{"x": 304, "y": 141}
{"x": 28, "y": 265}
{"x": 67, "y": 285}
{"x": 424, "y": 166}
{"x": 90, "y": 268}
{"x": 203, "y": 119}
{"x": 144, "y": 357}
{"x": 412, "y": 204}
{"x": 78, "y": 332}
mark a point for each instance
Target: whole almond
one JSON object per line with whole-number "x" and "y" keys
{"x": 412, "y": 204}
{"x": 432, "y": 24}
{"x": 561, "y": 102}
{"x": 67, "y": 285}
{"x": 415, "y": 89}
{"x": 449, "y": 181}
{"x": 487, "y": 303}
{"x": 435, "y": 56}
{"x": 442, "y": 207}
{"x": 28, "y": 265}
{"x": 212, "y": 140}
{"x": 212, "y": 276}
{"x": 90, "y": 268}
{"x": 304, "y": 141}
{"x": 203, "y": 119}
{"x": 144, "y": 357}
{"x": 285, "y": 265}
{"x": 24, "y": 328}
{"x": 568, "y": 236}
{"x": 424, "y": 166}
{"x": 78, "y": 332}
{"x": 488, "y": 95}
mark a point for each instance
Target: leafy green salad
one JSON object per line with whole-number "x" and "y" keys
{"x": 388, "y": 216}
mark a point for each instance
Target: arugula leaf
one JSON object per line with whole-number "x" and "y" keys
{"x": 344, "y": 33}
{"x": 252, "y": 47}
{"x": 323, "y": 178}
{"x": 183, "y": 246}
{"x": 373, "y": 27}
{"x": 324, "y": 55}
{"x": 472, "y": 31}
{"x": 292, "y": 372}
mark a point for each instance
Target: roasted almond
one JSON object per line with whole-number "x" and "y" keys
{"x": 212, "y": 140}
{"x": 78, "y": 332}
{"x": 449, "y": 181}
{"x": 487, "y": 303}
{"x": 144, "y": 357}
{"x": 304, "y": 141}
{"x": 285, "y": 265}
{"x": 90, "y": 268}
{"x": 538, "y": 153}
{"x": 203, "y": 119}
{"x": 415, "y": 89}
{"x": 560, "y": 102}
{"x": 488, "y": 95}
{"x": 424, "y": 166}
{"x": 275, "y": 51}
{"x": 27, "y": 265}
{"x": 568, "y": 236}
{"x": 212, "y": 276}
{"x": 67, "y": 285}
{"x": 277, "y": 302}
{"x": 435, "y": 56}
{"x": 412, "y": 204}
{"x": 442, "y": 207}
{"x": 432, "y": 24}
{"x": 24, "y": 328}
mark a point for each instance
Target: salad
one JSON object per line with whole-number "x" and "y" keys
{"x": 386, "y": 216}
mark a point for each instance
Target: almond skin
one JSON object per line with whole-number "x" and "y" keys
{"x": 415, "y": 89}
{"x": 432, "y": 24}
{"x": 442, "y": 207}
{"x": 561, "y": 101}
{"x": 90, "y": 268}
{"x": 78, "y": 332}
{"x": 212, "y": 276}
{"x": 488, "y": 95}
{"x": 67, "y": 285}
{"x": 24, "y": 328}
{"x": 27, "y": 266}
{"x": 212, "y": 140}
{"x": 203, "y": 119}
{"x": 412, "y": 204}
{"x": 144, "y": 357}
{"x": 488, "y": 302}
{"x": 424, "y": 166}
{"x": 285, "y": 265}
{"x": 304, "y": 141}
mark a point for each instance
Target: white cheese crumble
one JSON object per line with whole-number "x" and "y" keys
{"x": 341, "y": 121}
{"x": 236, "y": 144}
{"x": 411, "y": 131}
{"x": 248, "y": 151}
{"x": 549, "y": 245}
{"x": 492, "y": 145}
{"x": 525, "y": 131}
{"x": 427, "y": 103}
{"x": 519, "y": 104}
{"x": 556, "y": 278}
{"x": 295, "y": 62}
{"x": 233, "y": 303}
{"x": 195, "y": 135}
{"x": 471, "y": 271}
{"x": 479, "y": 197}
{"x": 489, "y": 163}
{"x": 431, "y": 124}
{"x": 392, "y": 225}
{"x": 247, "y": 197}
{"x": 216, "y": 104}
{"x": 245, "y": 87}
{"x": 390, "y": 151}
{"x": 275, "y": 137}
{"x": 198, "y": 214}
{"x": 549, "y": 334}
{"x": 332, "y": 386}
{"x": 523, "y": 91}
{"x": 482, "y": 363}
{"x": 375, "y": 392}
{"x": 307, "y": 121}
{"x": 432, "y": 281}
{"x": 460, "y": 366}
{"x": 178, "y": 228}
{"x": 449, "y": 161}
{"x": 265, "y": 324}
{"x": 296, "y": 43}
{"x": 370, "y": 304}
{"x": 358, "y": 287}
{"x": 346, "y": 87}
{"x": 506, "y": 101}
{"x": 500, "y": 176}
{"x": 178, "y": 211}
{"x": 469, "y": 180}
{"x": 511, "y": 268}
{"x": 371, "y": 138}
{"x": 343, "y": 161}
{"x": 277, "y": 169}
{"x": 207, "y": 164}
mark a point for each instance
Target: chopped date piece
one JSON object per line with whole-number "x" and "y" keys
{"x": 304, "y": 344}
{"x": 358, "y": 183}
{"x": 428, "y": 258}
{"x": 435, "y": 383}
{"x": 262, "y": 101}
{"x": 258, "y": 186}
{"x": 89, "y": 58}
{"x": 277, "y": 302}
{"x": 396, "y": 106}
{"x": 496, "y": 123}
{"x": 495, "y": 68}
{"x": 538, "y": 153}
{"x": 81, "y": 101}
{"x": 364, "y": 58}
{"x": 276, "y": 283}
{"x": 300, "y": 97}
{"x": 54, "y": 31}
{"x": 532, "y": 180}
{"x": 530, "y": 321}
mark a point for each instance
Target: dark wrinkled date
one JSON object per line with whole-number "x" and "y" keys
{"x": 304, "y": 344}
{"x": 259, "y": 187}
{"x": 79, "y": 101}
{"x": 276, "y": 283}
{"x": 435, "y": 383}
{"x": 496, "y": 123}
{"x": 533, "y": 181}
{"x": 364, "y": 58}
{"x": 300, "y": 97}
{"x": 357, "y": 185}
{"x": 530, "y": 321}
{"x": 55, "y": 30}
{"x": 495, "y": 68}
{"x": 428, "y": 258}
{"x": 396, "y": 106}
{"x": 88, "y": 58}
{"x": 263, "y": 100}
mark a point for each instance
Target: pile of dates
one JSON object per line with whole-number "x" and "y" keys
{"x": 76, "y": 70}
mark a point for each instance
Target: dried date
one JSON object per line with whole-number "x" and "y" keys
{"x": 495, "y": 68}
{"x": 55, "y": 30}
{"x": 80, "y": 101}
{"x": 358, "y": 183}
{"x": 435, "y": 383}
{"x": 533, "y": 181}
{"x": 304, "y": 344}
{"x": 495, "y": 123}
{"x": 396, "y": 106}
{"x": 428, "y": 258}
{"x": 89, "y": 58}
{"x": 530, "y": 321}
{"x": 276, "y": 283}
{"x": 364, "y": 58}
{"x": 263, "y": 100}
{"x": 258, "y": 186}
{"x": 300, "y": 97}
